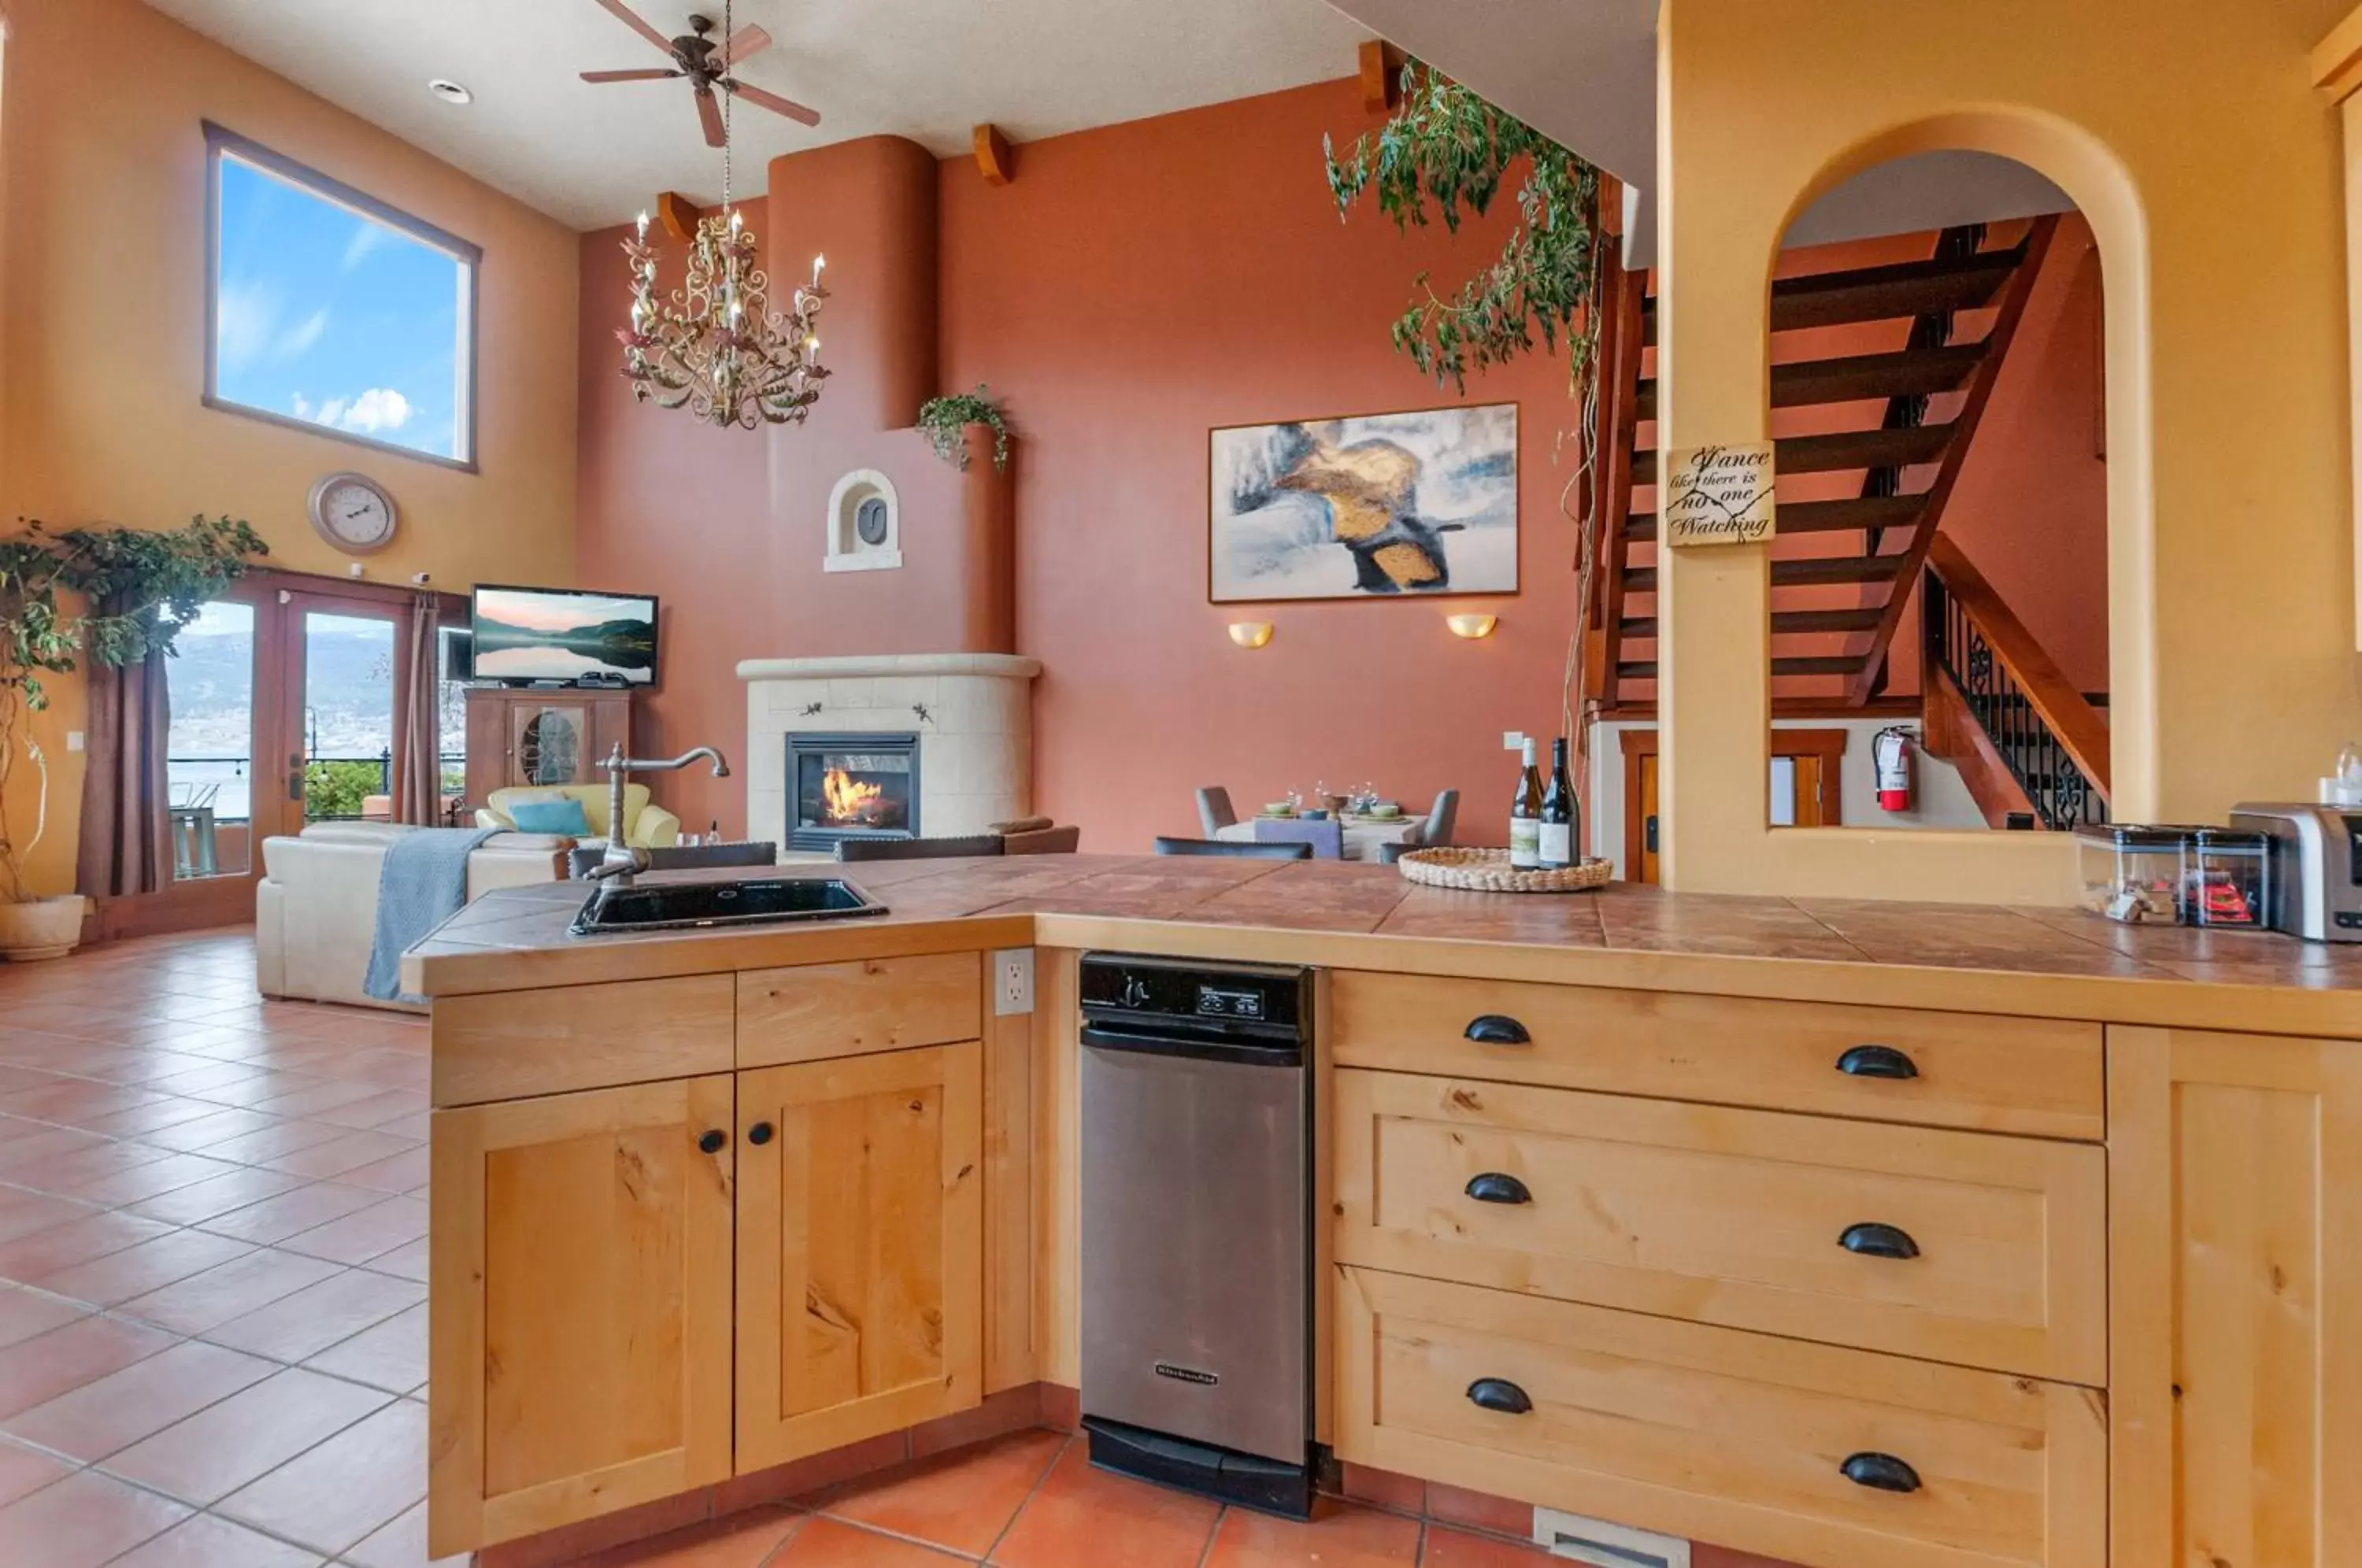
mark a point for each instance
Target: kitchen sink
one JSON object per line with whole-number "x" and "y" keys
{"x": 681, "y": 906}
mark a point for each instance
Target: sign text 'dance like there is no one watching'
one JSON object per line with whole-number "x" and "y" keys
{"x": 1720, "y": 495}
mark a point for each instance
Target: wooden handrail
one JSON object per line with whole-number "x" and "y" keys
{"x": 1619, "y": 384}
{"x": 2081, "y": 733}
{"x": 1877, "y": 647}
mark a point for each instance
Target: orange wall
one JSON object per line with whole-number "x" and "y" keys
{"x": 103, "y": 311}
{"x": 1134, "y": 288}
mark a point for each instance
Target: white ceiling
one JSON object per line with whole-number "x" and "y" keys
{"x": 929, "y": 70}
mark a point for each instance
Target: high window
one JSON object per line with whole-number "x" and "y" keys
{"x": 332, "y": 311}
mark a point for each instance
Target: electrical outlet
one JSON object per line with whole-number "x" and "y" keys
{"x": 1012, "y": 981}
{"x": 1570, "y": 1538}
{"x": 1513, "y": 740}
{"x": 73, "y": 740}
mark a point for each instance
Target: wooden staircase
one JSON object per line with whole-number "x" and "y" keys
{"x": 1842, "y": 568}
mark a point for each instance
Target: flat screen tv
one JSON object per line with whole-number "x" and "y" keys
{"x": 553, "y": 634}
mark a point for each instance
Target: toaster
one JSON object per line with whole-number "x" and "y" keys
{"x": 2316, "y": 882}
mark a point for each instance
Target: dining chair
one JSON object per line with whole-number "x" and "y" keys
{"x": 1440, "y": 817}
{"x": 1390, "y": 853}
{"x": 1326, "y": 838}
{"x": 918, "y": 848}
{"x": 1043, "y": 840}
{"x": 1237, "y": 848}
{"x": 1214, "y": 809}
{"x": 582, "y": 859}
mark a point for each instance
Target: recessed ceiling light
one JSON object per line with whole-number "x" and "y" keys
{"x": 450, "y": 92}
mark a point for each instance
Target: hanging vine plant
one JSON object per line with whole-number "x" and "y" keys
{"x": 945, "y": 420}
{"x": 1447, "y": 154}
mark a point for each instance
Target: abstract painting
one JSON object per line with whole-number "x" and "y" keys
{"x": 1375, "y": 506}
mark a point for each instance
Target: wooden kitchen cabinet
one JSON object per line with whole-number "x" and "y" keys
{"x": 860, "y": 1248}
{"x": 580, "y": 1323}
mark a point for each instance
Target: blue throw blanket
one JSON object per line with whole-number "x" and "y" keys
{"x": 423, "y": 883}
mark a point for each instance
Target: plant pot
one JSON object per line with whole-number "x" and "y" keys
{"x": 41, "y": 928}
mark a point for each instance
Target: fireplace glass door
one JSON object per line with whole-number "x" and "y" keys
{"x": 862, "y": 786}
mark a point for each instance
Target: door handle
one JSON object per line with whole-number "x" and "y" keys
{"x": 1497, "y": 1028}
{"x": 1877, "y": 1061}
{"x": 1652, "y": 835}
{"x": 1879, "y": 1473}
{"x": 1500, "y": 1395}
{"x": 1874, "y": 1241}
{"x": 1496, "y": 1187}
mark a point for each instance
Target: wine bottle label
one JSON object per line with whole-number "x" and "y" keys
{"x": 1557, "y": 844}
{"x": 1525, "y": 842}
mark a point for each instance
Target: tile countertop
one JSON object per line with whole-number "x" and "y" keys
{"x": 1962, "y": 958}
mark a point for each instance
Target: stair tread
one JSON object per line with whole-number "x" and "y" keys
{"x": 1816, "y": 664}
{"x": 1858, "y": 378}
{"x": 1879, "y": 294}
{"x": 1831, "y": 454}
{"x": 1817, "y": 516}
{"x": 1811, "y": 569}
{"x": 1785, "y": 623}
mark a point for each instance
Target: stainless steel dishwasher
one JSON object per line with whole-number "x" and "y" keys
{"x": 1197, "y": 1250}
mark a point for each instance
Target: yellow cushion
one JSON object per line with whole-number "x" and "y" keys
{"x": 593, "y": 796}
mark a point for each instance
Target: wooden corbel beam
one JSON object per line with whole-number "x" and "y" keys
{"x": 994, "y": 156}
{"x": 677, "y": 214}
{"x": 1382, "y": 68}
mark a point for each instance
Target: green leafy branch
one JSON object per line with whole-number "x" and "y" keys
{"x": 945, "y": 420}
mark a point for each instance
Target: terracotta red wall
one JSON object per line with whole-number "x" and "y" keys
{"x": 1135, "y": 287}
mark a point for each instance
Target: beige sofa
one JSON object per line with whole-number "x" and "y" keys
{"x": 646, "y": 824}
{"x": 316, "y": 908}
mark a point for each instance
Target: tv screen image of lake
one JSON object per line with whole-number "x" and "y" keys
{"x": 561, "y": 637}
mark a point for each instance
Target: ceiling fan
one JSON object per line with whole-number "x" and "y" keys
{"x": 707, "y": 65}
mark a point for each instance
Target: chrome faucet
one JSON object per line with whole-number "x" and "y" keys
{"x": 621, "y": 864}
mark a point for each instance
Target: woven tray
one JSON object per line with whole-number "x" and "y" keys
{"x": 1489, "y": 871}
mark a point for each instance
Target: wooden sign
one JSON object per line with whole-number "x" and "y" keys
{"x": 1719, "y": 495}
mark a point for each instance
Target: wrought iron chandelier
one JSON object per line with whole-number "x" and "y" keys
{"x": 714, "y": 344}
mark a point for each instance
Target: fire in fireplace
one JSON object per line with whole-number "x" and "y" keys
{"x": 852, "y": 786}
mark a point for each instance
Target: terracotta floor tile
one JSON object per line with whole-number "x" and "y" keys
{"x": 150, "y": 1180}
{"x": 151, "y": 1266}
{"x": 1339, "y": 1535}
{"x": 50, "y": 1142}
{"x": 265, "y": 1144}
{"x": 220, "y": 1123}
{"x": 1479, "y": 1510}
{"x": 409, "y": 1126}
{"x": 337, "y": 1494}
{"x": 212, "y": 1454}
{"x": 306, "y": 1322}
{"x": 292, "y": 1212}
{"x": 402, "y": 1544}
{"x": 409, "y": 1262}
{"x": 75, "y": 1242}
{"x": 826, "y": 1543}
{"x": 1081, "y": 1515}
{"x": 208, "y": 1300}
{"x": 169, "y": 1112}
{"x": 23, "y": 1471}
{"x": 204, "y": 1541}
{"x": 962, "y": 1500}
{"x": 69, "y": 1100}
{"x": 1449, "y": 1547}
{"x": 35, "y": 1371}
{"x": 251, "y": 1089}
{"x": 215, "y": 1195}
{"x": 364, "y": 1233}
{"x": 117, "y": 1410}
{"x": 743, "y": 1541}
{"x": 343, "y": 1152}
{"x": 406, "y": 1172}
{"x": 56, "y": 1171}
{"x": 24, "y": 1313}
{"x": 82, "y": 1522}
{"x": 316, "y": 1095}
{"x": 388, "y": 1105}
{"x": 28, "y": 1214}
{"x": 392, "y": 1355}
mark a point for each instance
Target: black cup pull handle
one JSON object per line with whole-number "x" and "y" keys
{"x": 1499, "y": 1395}
{"x": 1498, "y": 1029}
{"x": 713, "y": 1142}
{"x": 1879, "y": 1473}
{"x": 1877, "y": 1061}
{"x": 759, "y": 1134}
{"x": 1875, "y": 1241}
{"x": 1497, "y": 1187}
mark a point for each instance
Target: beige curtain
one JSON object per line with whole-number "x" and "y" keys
{"x": 126, "y": 835}
{"x": 417, "y": 763}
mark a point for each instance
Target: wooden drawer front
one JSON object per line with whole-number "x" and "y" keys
{"x": 1731, "y": 1437}
{"x": 520, "y": 1044}
{"x": 1734, "y": 1217}
{"x": 2001, "y": 1075}
{"x": 820, "y": 1011}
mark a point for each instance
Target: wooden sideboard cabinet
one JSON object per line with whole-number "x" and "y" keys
{"x": 517, "y": 735}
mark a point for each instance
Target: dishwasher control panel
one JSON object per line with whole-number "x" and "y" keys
{"x": 1138, "y": 992}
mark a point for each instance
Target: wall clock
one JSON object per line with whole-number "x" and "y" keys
{"x": 353, "y": 512}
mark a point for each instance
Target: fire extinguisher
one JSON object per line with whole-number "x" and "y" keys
{"x": 1891, "y": 752}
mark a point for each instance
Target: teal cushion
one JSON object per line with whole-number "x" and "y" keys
{"x": 551, "y": 816}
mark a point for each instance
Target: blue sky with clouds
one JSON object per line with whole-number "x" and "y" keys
{"x": 326, "y": 316}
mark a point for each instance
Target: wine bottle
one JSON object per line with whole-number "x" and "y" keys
{"x": 1525, "y": 817}
{"x": 1559, "y": 813}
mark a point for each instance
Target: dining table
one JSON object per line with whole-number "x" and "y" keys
{"x": 1360, "y": 836}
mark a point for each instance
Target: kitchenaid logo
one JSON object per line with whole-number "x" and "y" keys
{"x": 1186, "y": 1374}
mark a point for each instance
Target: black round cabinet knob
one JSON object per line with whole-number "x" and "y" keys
{"x": 759, "y": 1134}
{"x": 712, "y": 1143}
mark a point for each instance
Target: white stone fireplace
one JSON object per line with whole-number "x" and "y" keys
{"x": 972, "y": 716}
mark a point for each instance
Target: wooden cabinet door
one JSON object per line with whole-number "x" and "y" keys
{"x": 579, "y": 1325}
{"x": 2235, "y": 1246}
{"x": 860, "y": 1248}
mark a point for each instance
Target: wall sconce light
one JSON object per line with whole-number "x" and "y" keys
{"x": 1251, "y": 634}
{"x": 1472, "y": 626}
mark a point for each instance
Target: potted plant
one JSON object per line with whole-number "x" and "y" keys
{"x": 945, "y": 420}
{"x": 141, "y": 589}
